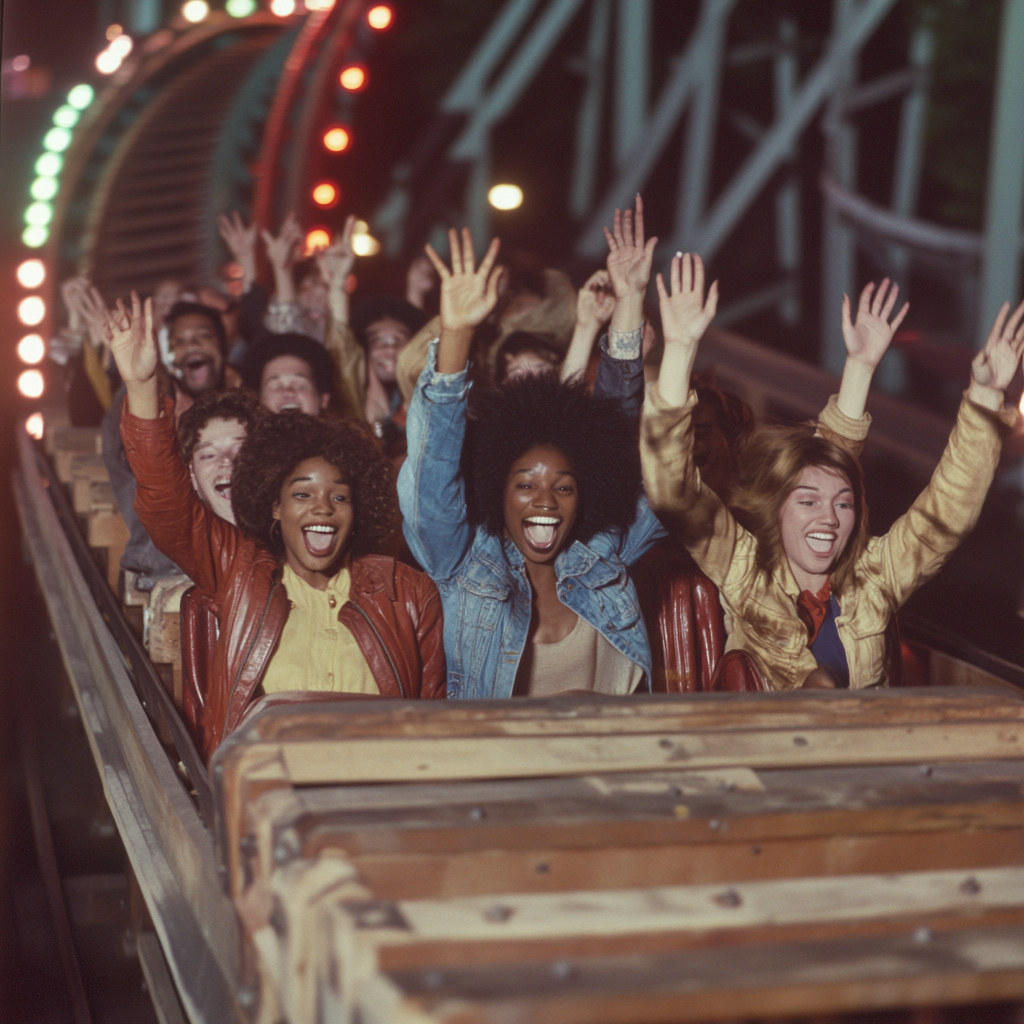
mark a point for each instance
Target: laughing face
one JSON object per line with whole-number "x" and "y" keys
{"x": 817, "y": 520}
{"x": 385, "y": 338}
{"x": 540, "y": 503}
{"x": 196, "y": 350}
{"x": 316, "y": 516}
{"x": 287, "y": 385}
{"x": 213, "y": 459}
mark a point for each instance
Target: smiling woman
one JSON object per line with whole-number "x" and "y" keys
{"x": 301, "y": 601}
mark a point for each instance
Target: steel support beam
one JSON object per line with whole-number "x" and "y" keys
{"x": 1001, "y": 260}
{"x": 588, "y": 124}
{"x": 787, "y": 202}
{"x": 748, "y": 182}
{"x": 649, "y": 146}
{"x": 699, "y": 146}
{"x": 632, "y": 75}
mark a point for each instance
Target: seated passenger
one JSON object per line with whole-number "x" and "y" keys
{"x": 530, "y": 557}
{"x": 290, "y": 373}
{"x": 302, "y": 603}
{"x": 809, "y": 593}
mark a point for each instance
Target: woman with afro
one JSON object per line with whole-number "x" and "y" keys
{"x": 302, "y": 602}
{"x": 529, "y": 546}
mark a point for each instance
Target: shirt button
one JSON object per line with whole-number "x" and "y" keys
{"x": 331, "y": 600}
{"x": 568, "y": 586}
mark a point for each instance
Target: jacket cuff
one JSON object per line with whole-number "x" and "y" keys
{"x": 133, "y": 426}
{"x": 442, "y": 387}
{"x": 990, "y": 402}
{"x": 835, "y": 420}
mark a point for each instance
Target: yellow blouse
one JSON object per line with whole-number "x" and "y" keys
{"x": 317, "y": 652}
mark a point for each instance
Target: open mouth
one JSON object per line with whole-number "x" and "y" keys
{"x": 319, "y": 538}
{"x": 197, "y": 370}
{"x": 821, "y": 543}
{"x": 290, "y": 407}
{"x": 541, "y": 531}
{"x": 223, "y": 488}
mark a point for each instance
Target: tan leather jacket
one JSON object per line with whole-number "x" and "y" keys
{"x": 393, "y": 611}
{"x": 763, "y": 608}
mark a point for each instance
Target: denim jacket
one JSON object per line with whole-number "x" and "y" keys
{"x": 482, "y": 579}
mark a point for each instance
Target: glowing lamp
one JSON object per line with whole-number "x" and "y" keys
{"x": 379, "y": 17}
{"x": 34, "y": 425}
{"x": 337, "y": 140}
{"x": 39, "y": 214}
{"x": 49, "y": 165}
{"x": 505, "y": 197}
{"x": 326, "y": 194}
{"x": 66, "y": 117}
{"x": 364, "y": 244}
{"x": 282, "y": 8}
{"x": 121, "y": 46}
{"x": 56, "y": 140}
{"x": 316, "y": 240}
{"x": 21, "y": 63}
{"x": 44, "y": 189}
{"x": 113, "y": 31}
{"x": 353, "y": 78}
{"x": 107, "y": 62}
{"x": 81, "y": 96}
{"x": 319, "y": 5}
{"x": 31, "y": 311}
{"x": 31, "y": 273}
{"x": 35, "y": 235}
{"x": 31, "y": 349}
{"x": 30, "y": 383}
{"x": 240, "y": 8}
{"x": 195, "y": 11}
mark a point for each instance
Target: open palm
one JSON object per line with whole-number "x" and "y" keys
{"x": 468, "y": 292}
{"x": 685, "y": 314}
{"x": 868, "y": 340}
{"x": 132, "y": 341}
{"x": 995, "y": 365}
{"x": 629, "y": 256}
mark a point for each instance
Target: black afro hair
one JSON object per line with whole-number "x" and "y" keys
{"x": 594, "y": 434}
{"x": 281, "y": 442}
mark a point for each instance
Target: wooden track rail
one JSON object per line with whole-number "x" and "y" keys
{"x": 170, "y": 849}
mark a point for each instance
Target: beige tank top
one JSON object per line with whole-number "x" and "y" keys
{"x": 584, "y": 660}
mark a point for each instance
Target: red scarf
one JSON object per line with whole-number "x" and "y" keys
{"x": 814, "y": 609}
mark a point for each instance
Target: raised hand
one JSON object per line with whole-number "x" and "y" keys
{"x": 995, "y": 365}
{"x": 868, "y": 339}
{"x": 685, "y": 314}
{"x": 281, "y": 248}
{"x": 468, "y": 292}
{"x": 336, "y": 261}
{"x": 132, "y": 341}
{"x": 240, "y": 240}
{"x": 595, "y": 302}
{"x": 629, "y": 257}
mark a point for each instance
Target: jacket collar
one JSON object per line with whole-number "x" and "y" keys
{"x": 372, "y": 575}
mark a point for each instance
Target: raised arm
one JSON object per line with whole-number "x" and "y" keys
{"x": 335, "y": 265}
{"x": 921, "y": 541}
{"x": 431, "y": 491}
{"x": 595, "y": 304}
{"x": 241, "y": 243}
{"x": 133, "y": 345}
{"x": 629, "y": 269}
{"x": 281, "y": 254}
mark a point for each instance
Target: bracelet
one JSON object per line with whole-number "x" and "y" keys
{"x": 625, "y": 344}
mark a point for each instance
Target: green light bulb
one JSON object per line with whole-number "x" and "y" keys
{"x": 44, "y": 188}
{"x": 35, "y": 235}
{"x": 39, "y": 214}
{"x": 49, "y": 165}
{"x": 56, "y": 140}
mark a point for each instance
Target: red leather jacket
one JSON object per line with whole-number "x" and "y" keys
{"x": 393, "y": 611}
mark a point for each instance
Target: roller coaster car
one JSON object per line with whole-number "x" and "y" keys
{"x": 686, "y": 855}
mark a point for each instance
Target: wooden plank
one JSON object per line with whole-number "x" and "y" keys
{"x": 848, "y": 975}
{"x": 696, "y": 908}
{"x": 108, "y": 530}
{"x": 386, "y": 759}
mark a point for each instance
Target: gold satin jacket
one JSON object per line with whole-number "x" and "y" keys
{"x": 763, "y": 607}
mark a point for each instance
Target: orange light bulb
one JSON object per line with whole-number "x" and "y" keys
{"x": 379, "y": 17}
{"x": 325, "y": 194}
{"x": 353, "y": 78}
{"x": 316, "y": 240}
{"x": 337, "y": 140}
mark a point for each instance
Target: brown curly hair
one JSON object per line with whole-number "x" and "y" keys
{"x": 236, "y": 404}
{"x": 280, "y": 443}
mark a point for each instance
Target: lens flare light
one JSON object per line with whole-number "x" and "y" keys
{"x": 44, "y": 189}
{"x": 319, "y": 5}
{"x": 326, "y": 194}
{"x": 49, "y": 165}
{"x": 282, "y": 8}
{"x": 107, "y": 62}
{"x": 56, "y": 140}
{"x": 31, "y": 273}
{"x": 240, "y": 8}
{"x": 353, "y": 78}
{"x": 30, "y": 383}
{"x": 505, "y": 197}
{"x": 31, "y": 311}
{"x": 35, "y": 235}
{"x": 195, "y": 11}
{"x": 31, "y": 349}
{"x": 81, "y": 96}
{"x": 39, "y": 214}
{"x": 316, "y": 240}
{"x": 337, "y": 140}
{"x": 121, "y": 46}
{"x": 379, "y": 17}
{"x": 66, "y": 117}
{"x": 34, "y": 426}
